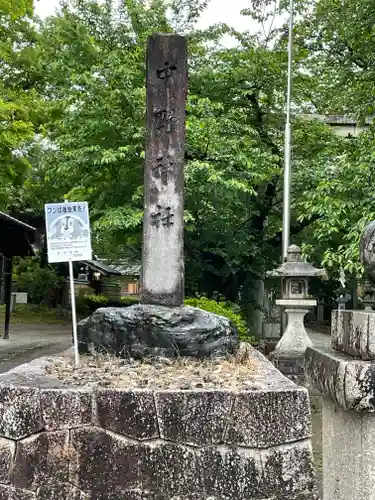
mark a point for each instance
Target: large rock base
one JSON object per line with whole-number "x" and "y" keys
{"x": 143, "y": 331}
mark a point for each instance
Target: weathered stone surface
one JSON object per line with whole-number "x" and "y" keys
{"x": 326, "y": 370}
{"x": 65, "y": 409}
{"x": 194, "y": 417}
{"x": 255, "y": 418}
{"x": 353, "y": 332}
{"x": 233, "y": 474}
{"x": 61, "y": 492}
{"x": 371, "y": 335}
{"x": 20, "y": 411}
{"x": 162, "y": 280}
{"x": 348, "y": 453}
{"x": 171, "y": 469}
{"x": 7, "y": 450}
{"x": 145, "y": 330}
{"x": 136, "y": 494}
{"x": 10, "y": 493}
{"x": 104, "y": 462}
{"x": 261, "y": 419}
{"x": 42, "y": 459}
{"x": 129, "y": 413}
{"x": 295, "y": 339}
{"x": 33, "y": 375}
{"x": 167, "y": 444}
{"x": 288, "y": 470}
{"x": 349, "y": 383}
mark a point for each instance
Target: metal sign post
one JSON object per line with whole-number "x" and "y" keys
{"x": 74, "y": 317}
{"x": 69, "y": 240}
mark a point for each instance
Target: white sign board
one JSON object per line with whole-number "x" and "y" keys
{"x": 68, "y": 232}
{"x": 21, "y": 297}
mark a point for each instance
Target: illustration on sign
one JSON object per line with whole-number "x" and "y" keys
{"x": 68, "y": 232}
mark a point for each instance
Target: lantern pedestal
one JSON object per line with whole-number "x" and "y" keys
{"x": 289, "y": 353}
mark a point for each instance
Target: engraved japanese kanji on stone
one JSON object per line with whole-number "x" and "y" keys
{"x": 164, "y": 119}
{"x": 162, "y": 279}
{"x": 162, "y": 168}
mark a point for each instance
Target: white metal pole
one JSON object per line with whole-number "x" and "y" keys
{"x": 73, "y": 304}
{"x": 288, "y": 142}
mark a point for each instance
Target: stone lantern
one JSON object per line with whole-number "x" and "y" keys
{"x": 368, "y": 295}
{"x": 295, "y": 273}
{"x": 343, "y": 296}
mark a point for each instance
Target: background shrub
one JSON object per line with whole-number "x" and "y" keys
{"x": 40, "y": 284}
{"x": 226, "y": 309}
{"x": 88, "y": 304}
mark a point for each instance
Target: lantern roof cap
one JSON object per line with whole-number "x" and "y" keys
{"x": 296, "y": 267}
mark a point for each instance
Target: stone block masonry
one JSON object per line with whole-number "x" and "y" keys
{"x": 344, "y": 373}
{"x": 79, "y": 443}
{"x": 353, "y": 333}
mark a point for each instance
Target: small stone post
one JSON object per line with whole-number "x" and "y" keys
{"x": 320, "y": 310}
{"x": 289, "y": 353}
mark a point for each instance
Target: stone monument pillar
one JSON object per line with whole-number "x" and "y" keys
{"x": 161, "y": 325}
{"x": 344, "y": 372}
{"x": 162, "y": 280}
{"x": 288, "y": 355}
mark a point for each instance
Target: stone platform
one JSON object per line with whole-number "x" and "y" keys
{"x": 76, "y": 443}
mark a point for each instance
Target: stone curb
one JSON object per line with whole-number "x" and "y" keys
{"x": 353, "y": 333}
{"x": 348, "y": 382}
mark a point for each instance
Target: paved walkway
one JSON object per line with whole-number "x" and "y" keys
{"x": 319, "y": 339}
{"x": 28, "y": 342}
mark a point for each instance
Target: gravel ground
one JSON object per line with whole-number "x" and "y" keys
{"x": 100, "y": 370}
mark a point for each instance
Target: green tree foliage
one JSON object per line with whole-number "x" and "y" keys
{"x": 92, "y": 63}
{"x": 40, "y": 283}
{"x": 16, "y": 127}
{"x": 85, "y": 69}
{"x": 335, "y": 44}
